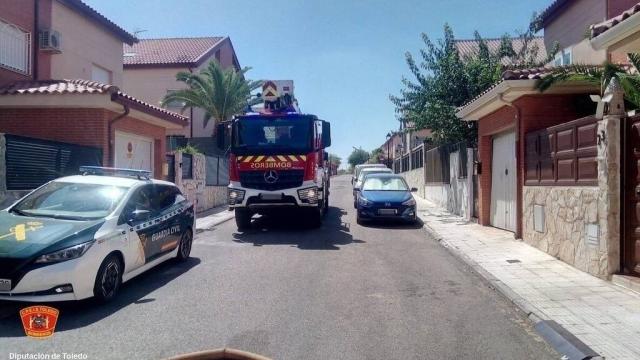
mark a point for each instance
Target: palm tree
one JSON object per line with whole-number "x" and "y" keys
{"x": 598, "y": 75}
{"x": 221, "y": 93}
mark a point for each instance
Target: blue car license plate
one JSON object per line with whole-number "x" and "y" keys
{"x": 386, "y": 211}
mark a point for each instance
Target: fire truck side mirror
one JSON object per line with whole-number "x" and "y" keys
{"x": 221, "y": 134}
{"x": 326, "y": 134}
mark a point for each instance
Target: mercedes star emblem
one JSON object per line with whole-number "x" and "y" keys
{"x": 270, "y": 176}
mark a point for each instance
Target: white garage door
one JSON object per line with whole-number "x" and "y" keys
{"x": 133, "y": 152}
{"x": 503, "y": 182}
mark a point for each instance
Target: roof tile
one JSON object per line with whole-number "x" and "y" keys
{"x": 600, "y": 28}
{"x": 468, "y": 48}
{"x": 169, "y": 51}
{"x": 53, "y": 87}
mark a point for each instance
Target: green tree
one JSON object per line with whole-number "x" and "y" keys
{"x": 443, "y": 81}
{"x": 221, "y": 93}
{"x": 335, "y": 159}
{"x": 358, "y": 156}
{"x": 439, "y": 86}
{"x": 376, "y": 156}
{"x": 600, "y": 76}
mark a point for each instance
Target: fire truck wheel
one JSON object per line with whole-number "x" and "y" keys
{"x": 315, "y": 218}
{"x": 325, "y": 206}
{"x": 243, "y": 219}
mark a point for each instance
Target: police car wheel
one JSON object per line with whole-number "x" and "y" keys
{"x": 184, "y": 249}
{"x": 108, "y": 279}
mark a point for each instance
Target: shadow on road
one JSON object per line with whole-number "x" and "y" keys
{"x": 78, "y": 314}
{"x": 291, "y": 229}
{"x": 393, "y": 224}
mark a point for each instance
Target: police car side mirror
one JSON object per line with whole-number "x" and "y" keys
{"x": 138, "y": 215}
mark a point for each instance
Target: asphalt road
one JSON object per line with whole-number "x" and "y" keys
{"x": 340, "y": 292}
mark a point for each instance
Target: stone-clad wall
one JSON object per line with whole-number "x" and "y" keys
{"x": 568, "y": 210}
{"x": 195, "y": 189}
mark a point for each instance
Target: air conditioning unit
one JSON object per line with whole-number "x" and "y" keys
{"x": 50, "y": 40}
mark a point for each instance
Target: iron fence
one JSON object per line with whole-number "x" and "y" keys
{"x": 32, "y": 162}
{"x": 217, "y": 171}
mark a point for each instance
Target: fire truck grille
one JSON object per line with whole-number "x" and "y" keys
{"x": 258, "y": 179}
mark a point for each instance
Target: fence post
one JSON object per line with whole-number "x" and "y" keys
{"x": 470, "y": 194}
{"x": 3, "y": 164}
{"x": 217, "y": 171}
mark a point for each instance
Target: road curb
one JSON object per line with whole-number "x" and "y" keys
{"x": 222, "y": 219}
{"x": 538, "y": 318}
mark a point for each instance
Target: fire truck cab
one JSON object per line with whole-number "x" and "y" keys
{"x": 277, "y": 162}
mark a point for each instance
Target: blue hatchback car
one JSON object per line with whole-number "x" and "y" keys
{"x": 386, "y": 196}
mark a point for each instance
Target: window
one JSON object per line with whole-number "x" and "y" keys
{"x": 100, "y": 74}
{"x": 563, "y": 57}
{"x": 166, "y": 196}
{"x": 175, "y": 103}
{"x": 15, "y": 48}
{"x": 71, "y": 201}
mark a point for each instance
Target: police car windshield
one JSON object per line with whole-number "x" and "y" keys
{"x": 278, "y": 133}
{"x": 71, "y": 201}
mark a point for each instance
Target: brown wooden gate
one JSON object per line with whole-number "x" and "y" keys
{"x": 631, "y": 182}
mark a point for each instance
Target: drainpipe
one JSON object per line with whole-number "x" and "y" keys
{"x": 519, "y": 150}
{"x": 191, "y": 115}
{"x": 111, "y": 141}
{"x": 36, "y": 38}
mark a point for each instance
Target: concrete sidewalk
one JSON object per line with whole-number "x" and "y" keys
{"x": 604, "y": 316}
{"x": 212, "y": 217}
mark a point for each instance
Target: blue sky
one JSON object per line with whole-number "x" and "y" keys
{"x": 345, "y": 56}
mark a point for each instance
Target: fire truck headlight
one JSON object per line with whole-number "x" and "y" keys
{"x": 235, "y": 196}
{"x": 308, "y": 195}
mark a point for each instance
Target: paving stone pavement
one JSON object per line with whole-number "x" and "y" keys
{"x": 601, "y": 314}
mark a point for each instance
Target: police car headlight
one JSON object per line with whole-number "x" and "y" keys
{"x": 308, "y": 195}
{"x": 65, "y": 254}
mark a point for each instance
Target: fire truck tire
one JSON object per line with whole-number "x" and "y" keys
{"x": 243, "y": 219}
{"x": 325, "y": 207}
{"x": 315, "y": 218}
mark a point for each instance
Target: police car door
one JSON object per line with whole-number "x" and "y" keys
{"x": 168, "y": 203}
{"x": 145, "y": 225}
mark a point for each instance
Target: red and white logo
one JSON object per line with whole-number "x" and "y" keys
{"x": 39, "y": 321}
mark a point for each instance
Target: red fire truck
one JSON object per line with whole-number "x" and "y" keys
{"x": 277, "y": 159}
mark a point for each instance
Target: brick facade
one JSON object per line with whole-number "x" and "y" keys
{"x": 82, "y": 126}
{"x": 536, "y": 112}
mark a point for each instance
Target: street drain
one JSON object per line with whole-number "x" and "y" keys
{"x": 513, "y": 261}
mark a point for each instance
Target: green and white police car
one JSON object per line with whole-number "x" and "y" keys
{"x": 82, "y": 236}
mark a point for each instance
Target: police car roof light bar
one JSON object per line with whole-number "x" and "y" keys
{"x": 108, "y": 171}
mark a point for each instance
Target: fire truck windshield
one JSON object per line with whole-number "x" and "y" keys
{"x": 273, "y": 133}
